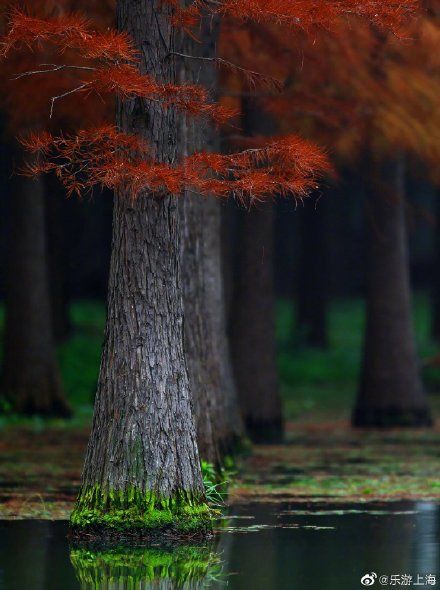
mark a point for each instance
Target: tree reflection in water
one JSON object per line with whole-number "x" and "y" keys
{"x": 125, "y": 567}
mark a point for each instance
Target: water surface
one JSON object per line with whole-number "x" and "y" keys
{"x": 262, "y": 546}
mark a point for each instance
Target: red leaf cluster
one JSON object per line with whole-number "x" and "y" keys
{"x": 66, "y": 32}
{"x": 303, "y": 14}
{"x": 119, "y": 161}
{"x": 110, "y": 77}
{"x": 107, "y": 63}
{"x": 126, "y": 81}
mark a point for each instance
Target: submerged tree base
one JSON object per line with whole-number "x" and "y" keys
{"x": 131, "y": 513}
{"x": 391, "y": 416}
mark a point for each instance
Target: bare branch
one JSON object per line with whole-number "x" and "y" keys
{"x": 55, "y": 98}
{"x": 52, "y": 68}
{"x": 252, "y": 76}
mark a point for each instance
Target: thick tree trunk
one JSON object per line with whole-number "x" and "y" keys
{"x": 436, "y": 278}
{"x": 311, "y": 281}
{"x": 142, "y": 469}
{"x": 30, "y": 378}
{"x": 253, "y": 311}
{"x": 206, "y": 345}
{"x": 253, "y": 327}
{"x": 391, "y": 392}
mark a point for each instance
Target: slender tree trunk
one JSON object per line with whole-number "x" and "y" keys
{"x": 436, "y": 277}
{"x": 253, "y": 333}
{"x": 231, "y": 424}
{"x": 253, "y": 312}
{"x": 30, "y": 378}
{"x": 206, "y": 345}
{"x": 390, "y": 392}
{"x": 142, "y": 469}
{"x": 311, "y": 282}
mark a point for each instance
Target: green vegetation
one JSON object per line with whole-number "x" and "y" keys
{"x": 135, "y": 512}
{"x": 315, "y": 384}
{"x": 135, "y": 566}
{"x": 332, "y": 461}
{"x": 79, "y": 357}
{"x": 217, "y": 481}
{"x": 322, "y": 384}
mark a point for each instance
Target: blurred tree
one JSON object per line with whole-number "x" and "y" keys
{"x": 253, "y": 309}
{"x": 30, "y": 376}
{"x": 36, "y": 302}
{"x": 362, "y": 90}
{"x": 311, "y": 281}
{"x": 391, "y": 391}
{"x": 218, "y": 421}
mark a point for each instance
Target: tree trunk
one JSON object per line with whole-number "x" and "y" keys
{"x": 30, "y": 379}
{"x": 142, "y": 469}
{"x": 391, "y": 392}
{"x": 231, "y": 423}
{"x": 253, "y": 310}
{"x": 436, "y": 277}
{"x": 311, "y": 282}
{"x": 206, "y": 345}
{"x": 253, "y": 327}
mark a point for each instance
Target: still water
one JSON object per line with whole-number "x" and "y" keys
{"x": 263, "y": 546}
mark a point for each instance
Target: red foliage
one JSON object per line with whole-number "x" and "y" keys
{"x": 106, "y": 62}
{"x": 125, "y": 81}
{"x": 106, "y": 157}
{"x": 302, "y": 14}
{"x": 71, "y": 31}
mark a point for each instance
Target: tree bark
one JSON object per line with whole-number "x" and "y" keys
{"x": 30, "y": 378}
{"x": 311, "y": 282}
{"x": 253, "y": 328}
{"x": 206, "y": 344}
{"x": 391, "y": 392}
{"x": 142, "y": 469}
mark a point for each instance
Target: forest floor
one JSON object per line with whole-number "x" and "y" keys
{"x": 323, "y": 458}
{"x": 327, "y": 461}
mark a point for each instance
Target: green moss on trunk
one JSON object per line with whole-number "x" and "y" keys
{"x": 132, "y": 511}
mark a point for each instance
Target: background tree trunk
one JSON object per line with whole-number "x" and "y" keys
{"x": 390, "y": 392}
{"x": 142, "y": 455}
{"x": 311, "y": 282}
{"x": 253, "y": 310}
{"x": 206, "y": 344}
{"x": 30, "y": 378}
{"x": 253, "y": 327}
